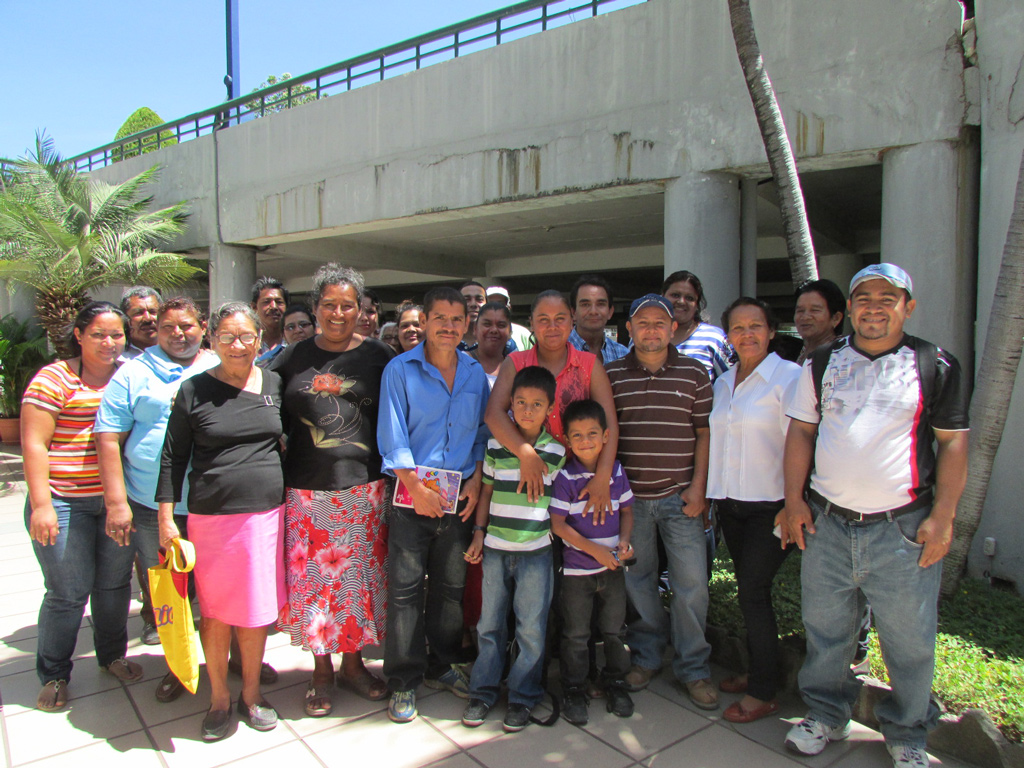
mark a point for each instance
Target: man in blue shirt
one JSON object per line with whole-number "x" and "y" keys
{"x": 591, "y": 301}
{"x": 433, "y": 400}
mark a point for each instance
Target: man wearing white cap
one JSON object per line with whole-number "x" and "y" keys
{"x": 878, "y": 516}
{"x": 520, "y": 336}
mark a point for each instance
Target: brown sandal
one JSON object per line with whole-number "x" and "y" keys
{"x": 53, "y": 697}
{"x": 318, "y": 700}
{"x": 365, "y": 684}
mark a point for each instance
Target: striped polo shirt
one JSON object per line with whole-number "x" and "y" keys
{"x": 709, "y": 346}
{"x": 59, "y": 390}
{"x": 659, "y": 412}
{"x": 516, "y": 524}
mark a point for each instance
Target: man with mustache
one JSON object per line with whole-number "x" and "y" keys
{"x": 432, "y": 407}
{"x": 269, "y": 299}
{"x": 140, "y": 303}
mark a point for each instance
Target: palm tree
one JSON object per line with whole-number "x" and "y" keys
{"x": 802, "y": 263}
{"x": 997, "y": 373}
{"x": 65, "y": 235}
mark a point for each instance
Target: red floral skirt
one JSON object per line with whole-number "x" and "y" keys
{"x": 336, "y": 565}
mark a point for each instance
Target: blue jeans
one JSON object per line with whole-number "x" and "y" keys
{"x": 527, "y": 579}
{"x": 84, "y": 565}
{"x": 686, "y": 549}
{"x": 421, "y": 546}
{"x": 844, "y": 564}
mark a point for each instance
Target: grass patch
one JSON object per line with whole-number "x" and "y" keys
{"x": 979, "y": 651}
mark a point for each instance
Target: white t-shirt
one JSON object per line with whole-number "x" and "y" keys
{"x": 874, "y": 447}
{"x": 748, "y": 431}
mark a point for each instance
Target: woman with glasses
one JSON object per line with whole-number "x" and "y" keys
{"x": 337, "y": 498}
{"x": 224, "y": 430}
{"x": 298, "y": 324}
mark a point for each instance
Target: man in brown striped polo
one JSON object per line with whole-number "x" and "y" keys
{"x": 663, "y": 400}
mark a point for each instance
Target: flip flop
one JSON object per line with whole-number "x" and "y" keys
{"x": 367, "y": 685}
{"x": 318, "y": 700}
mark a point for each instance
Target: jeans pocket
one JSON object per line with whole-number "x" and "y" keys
{"x": 906, "y": 527}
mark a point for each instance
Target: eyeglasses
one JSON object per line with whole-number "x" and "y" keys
{"x": 227, "y": 339}
{"x": 298, "y": 326}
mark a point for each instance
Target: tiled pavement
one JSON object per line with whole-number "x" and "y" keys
{"x": 111, "y": 724}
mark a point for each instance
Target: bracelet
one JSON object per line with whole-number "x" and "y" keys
{"x": 479, "y": 528}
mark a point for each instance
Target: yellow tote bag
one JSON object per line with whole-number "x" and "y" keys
{"x": 168, "y": 586}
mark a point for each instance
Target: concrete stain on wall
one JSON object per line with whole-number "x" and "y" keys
{"x": 511, "y": 162}
{"x": 625, "y": 146}
{"x": 810, "y": 134}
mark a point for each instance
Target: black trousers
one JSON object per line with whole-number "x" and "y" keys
{"x": 758, "y": 555}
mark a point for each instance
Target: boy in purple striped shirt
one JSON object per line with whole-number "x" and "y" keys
{"x": 594, "y": 552}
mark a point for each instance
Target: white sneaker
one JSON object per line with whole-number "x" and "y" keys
{"x": 809, "y": 737}
{"x": 908, "y": 757}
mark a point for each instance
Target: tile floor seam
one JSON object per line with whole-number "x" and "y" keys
{"x": 76, "y": 749}
{"x": 458, "y": 746}
{"x": 312, "y": 752}
{"x": 145, "y": 726}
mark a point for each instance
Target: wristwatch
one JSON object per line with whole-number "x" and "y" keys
{"x": 479, "y": 528}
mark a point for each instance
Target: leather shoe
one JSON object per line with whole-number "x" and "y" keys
{"x": 260, "y": 716}
{"x": 638, "y": 677}
{"x": 216, "y": 724}
{"x": 735, "y": 713}
{"x": 733, "y": 685}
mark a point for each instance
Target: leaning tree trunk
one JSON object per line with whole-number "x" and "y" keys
{"x": 997, "y": 372}
{"x": 57, "y": 310}
{"x": 802, "y": 263}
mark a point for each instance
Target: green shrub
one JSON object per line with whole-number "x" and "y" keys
{"x": 979, "y": 651}
{"x": 141, "y": 119}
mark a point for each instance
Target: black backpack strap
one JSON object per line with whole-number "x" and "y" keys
{"x": 555, "y": 712}
{"x": 926, "y": 358}
{"x": 819, "y": 362}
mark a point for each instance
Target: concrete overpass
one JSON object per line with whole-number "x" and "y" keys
{"x": 626, "y": 143}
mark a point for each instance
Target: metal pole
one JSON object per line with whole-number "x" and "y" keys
{"x": 232, "y": 78}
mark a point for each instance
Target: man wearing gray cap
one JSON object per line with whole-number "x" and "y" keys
{"x": 877, "y": 518}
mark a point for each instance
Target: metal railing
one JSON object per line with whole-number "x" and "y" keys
{"x": 485, "y": 31}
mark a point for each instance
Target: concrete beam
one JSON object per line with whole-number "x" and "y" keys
{"x": 590, "y": 261}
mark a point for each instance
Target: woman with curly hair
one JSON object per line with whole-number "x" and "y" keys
{"x": 337, "y": 498}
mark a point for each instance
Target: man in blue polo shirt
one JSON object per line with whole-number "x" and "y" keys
{"x": 433, "y": 399}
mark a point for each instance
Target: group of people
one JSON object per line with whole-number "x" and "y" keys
{"x": 457, "y": 471}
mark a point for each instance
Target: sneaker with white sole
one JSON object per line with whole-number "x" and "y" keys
{"x": 402, "y": 707}
{"x": 908, "y": 757}
{"x": 454, "y": 680}
{"x": 810, "y": 736}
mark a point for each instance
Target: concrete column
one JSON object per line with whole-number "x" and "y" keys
{"x": 929, "y": 227}
{"x": 21, "y": 303}
{"x": 232, "y": 273}
{"x": 702, "y": 234}
{"x": 748, "y": 237}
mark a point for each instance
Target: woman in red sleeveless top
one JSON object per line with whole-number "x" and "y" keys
{"x": 576, "y": 377}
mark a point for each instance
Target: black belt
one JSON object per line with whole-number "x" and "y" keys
{"x": 924, "y": 500}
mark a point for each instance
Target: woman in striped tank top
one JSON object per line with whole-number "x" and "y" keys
{"x": 82, "y": 561}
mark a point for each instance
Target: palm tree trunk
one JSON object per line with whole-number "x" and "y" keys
{"x": 802, "y": 263}
{"x": 57, "y": 310}
{"x": 997, "y": 373}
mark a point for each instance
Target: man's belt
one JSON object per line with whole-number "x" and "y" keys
{"x": 924, "y": 500}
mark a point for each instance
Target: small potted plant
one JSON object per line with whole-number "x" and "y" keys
{"x": 23, "y": 352}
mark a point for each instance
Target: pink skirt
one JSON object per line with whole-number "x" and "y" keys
{"x": 239, "y": 567}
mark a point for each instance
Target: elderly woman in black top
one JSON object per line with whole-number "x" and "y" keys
{"x": 227, "y": 423}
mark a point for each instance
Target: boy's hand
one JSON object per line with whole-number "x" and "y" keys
{"x": 607, "y": 558}
{"x": 475, "y": 552}
{"x": 625, "y": 550}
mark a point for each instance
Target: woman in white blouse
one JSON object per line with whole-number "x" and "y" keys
{"x": 748, "y": 433}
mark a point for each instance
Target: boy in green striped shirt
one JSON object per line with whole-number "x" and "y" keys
{"x": 512, "y": 536}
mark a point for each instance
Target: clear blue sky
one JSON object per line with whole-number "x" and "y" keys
{"x": 79, "y": 69}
